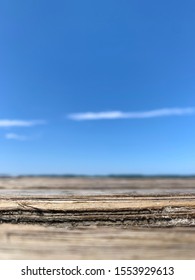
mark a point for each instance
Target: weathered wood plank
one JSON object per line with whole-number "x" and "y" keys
{"x": 102, "y": 210}
{"x": 38, "y": 242}
{"x": 97, "y": 218}
{"x": 44, "y": 183}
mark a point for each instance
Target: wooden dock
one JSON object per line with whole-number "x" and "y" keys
{"x": 93, "y": 218}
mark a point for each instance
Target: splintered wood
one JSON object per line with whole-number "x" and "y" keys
{"x": 92, "y": 218}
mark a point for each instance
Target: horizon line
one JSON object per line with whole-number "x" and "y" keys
{"x": 97, "y": 175}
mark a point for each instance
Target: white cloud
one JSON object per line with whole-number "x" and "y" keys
{"x": 19, "y": 123}
{"x": 132, "y": 115}
{"x": 14, "y": 136}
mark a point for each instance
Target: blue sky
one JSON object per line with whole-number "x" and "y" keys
{"x": 97, "y": 87}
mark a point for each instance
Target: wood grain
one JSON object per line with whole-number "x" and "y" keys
{"x": 90, "y": 218}
{"x": 39, "y": 242}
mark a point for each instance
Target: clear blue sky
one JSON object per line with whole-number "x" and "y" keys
{"x": 130, "y": 64}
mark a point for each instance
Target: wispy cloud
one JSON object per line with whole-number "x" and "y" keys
{"x": 19, "y": 123}
{"x": 14, "y": 136}
{"x": 131, "y": 115}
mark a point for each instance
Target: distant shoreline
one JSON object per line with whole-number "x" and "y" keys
{"x": 117, "y": 176}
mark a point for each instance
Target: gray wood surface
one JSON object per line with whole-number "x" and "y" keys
{"x": 91, "y": 218}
